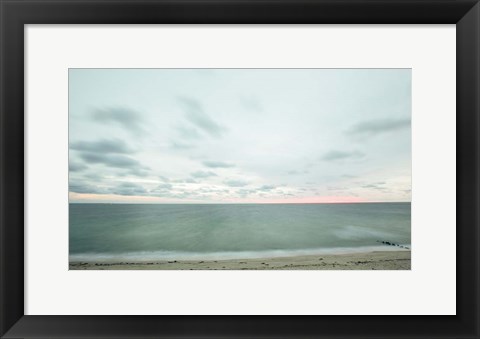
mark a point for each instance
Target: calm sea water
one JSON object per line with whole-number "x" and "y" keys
{"x": 146, "y": 232}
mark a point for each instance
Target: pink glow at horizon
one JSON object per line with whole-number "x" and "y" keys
{"x": 77, "y": 197}
{"x": 303, "y": 200}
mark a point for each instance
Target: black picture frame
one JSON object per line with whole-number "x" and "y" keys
{"x": 14, "y": 14}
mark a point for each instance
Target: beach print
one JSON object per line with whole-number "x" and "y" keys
{"x": 240, "y": 169}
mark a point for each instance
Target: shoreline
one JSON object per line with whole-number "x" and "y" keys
{"x": 374, "y": 260}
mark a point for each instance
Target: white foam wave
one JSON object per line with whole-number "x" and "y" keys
{"x": 170, "y": 255}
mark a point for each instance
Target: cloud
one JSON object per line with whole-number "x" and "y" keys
{"x": 102, "y": 146}
{"x": 295, "y": 172}
{"x": 166, "y": 191}
{"x": 243, "y": 192}
{"x": 165, "y": 194}
{"x": 112, "y": 160}
{"x": 186, "y": 181}
{"x": 217, "y": 164}
{"x": 267, "y": 188}
{"x": 109, "y": 153}
{"x": 164, "y": 186}
{"x": 126, "y": 118}
{"x": 374, "y": 127}
{"x": 203, "y": 174}
{"x": 164, "y": 179}
{"x": 162, "y": 190}
{"x": 139, "y": 172}
{"x": 236, "y": 183}
{"x": 376, "y": 186}
{"x": 342, "y": 155}
{"x": 128, "y": 188}
{"x": 191, "y": 142}
{"x": 195, "y": 114}
{"x": 74, "y": 166}
{"x": 94, "y": 176}
{"x": 83, "y": 188}
{"x": 334, "y": 188}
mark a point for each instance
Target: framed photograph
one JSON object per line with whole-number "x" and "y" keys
{"x": 252, "y": 182}
{"x": 239, "y": 169}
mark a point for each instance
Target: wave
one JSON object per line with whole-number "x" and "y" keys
{"x": 174, "y": 255}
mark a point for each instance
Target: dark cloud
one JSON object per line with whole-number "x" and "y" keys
{"x": 236, "y": 183}
{"x": 196, "y": 115}
{"x": 139, "y": 172}
{"x": 376, "y": 186}
{"x": 75, "y": 166}
{"x": 110, "y": 153}
{"x": 94, "y": 176}
{"x": 124, "y": 117}
{"x": 267, "y": 188}
{"x": 83, "y": 188}
{"x": 182, "y": 195}
{"x": 102, "y": 146}
{"x": 245, "y": 192}
{"x": 186, "y": 181}
{"x": 342, "y": 155}
{"x": 128, "y": 188}
{"x": 124, "y": 188}
{"x": 112, "y": 160}
{"x": 374, "y": 127}
{"x": 203, "y": 174}
{"x": 164, "y": 186}
{"x": 164, "y": 190}
{"x": 217, "y": 164}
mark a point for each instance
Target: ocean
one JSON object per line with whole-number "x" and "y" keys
{"x": 129, "y": 232}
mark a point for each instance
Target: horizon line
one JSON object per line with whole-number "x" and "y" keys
{"x": 240, "y": 203}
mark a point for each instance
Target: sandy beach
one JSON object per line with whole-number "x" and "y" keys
{"x": 378, "y": 260}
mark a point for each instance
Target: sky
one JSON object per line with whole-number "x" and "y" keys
{"x": 239, "y": 135}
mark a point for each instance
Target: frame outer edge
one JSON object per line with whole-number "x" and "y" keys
{"x": 468, "y": 168}
{"x": 11, "y": 171}
{"x": 3, "y": 308}
{"x": 9, "y": 239}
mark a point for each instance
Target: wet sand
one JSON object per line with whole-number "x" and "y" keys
{"x": 379, "y": 260}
